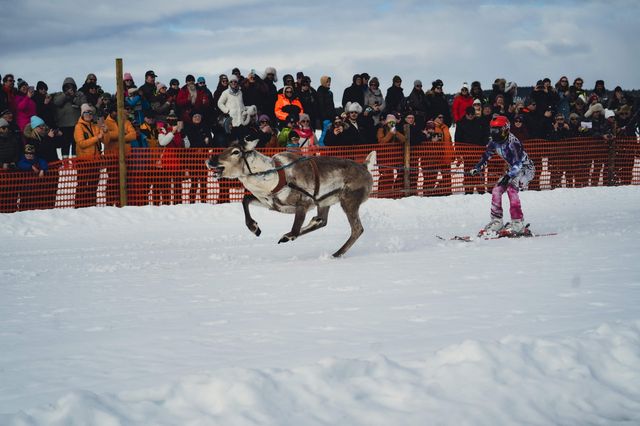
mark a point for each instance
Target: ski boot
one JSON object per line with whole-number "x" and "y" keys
{"x": 492, "y": 228}
{"x": 517, "y": 228}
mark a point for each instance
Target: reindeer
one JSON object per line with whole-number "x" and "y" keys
{"x": 290, "y": 183}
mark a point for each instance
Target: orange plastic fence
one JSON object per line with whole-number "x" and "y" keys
{"x": 177, "y": 176}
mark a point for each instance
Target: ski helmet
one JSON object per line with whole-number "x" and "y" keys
{"x": 499, "y": 128}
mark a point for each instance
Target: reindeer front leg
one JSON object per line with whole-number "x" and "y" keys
{"x": 248, "y": 220}
{"x": 301, "y": 213}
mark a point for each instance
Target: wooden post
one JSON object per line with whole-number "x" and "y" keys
{"x": 407, "y": 160}
{"x": 121, "y": 118}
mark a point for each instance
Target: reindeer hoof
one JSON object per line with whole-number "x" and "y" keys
{"x": 286, "y": 238}
{"x": 253, "y": 227}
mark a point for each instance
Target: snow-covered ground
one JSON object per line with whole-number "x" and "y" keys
{"x": 180, "y": 316}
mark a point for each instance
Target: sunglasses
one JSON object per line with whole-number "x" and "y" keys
{"x": 87, "y": 113}
{"x": 264, "y": 121}
{"x": 440, "y": 116}
{"x": 304, "y": 121}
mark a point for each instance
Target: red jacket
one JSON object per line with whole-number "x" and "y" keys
{"x": 460, "y": 104}
{"x": 183, "y": 101}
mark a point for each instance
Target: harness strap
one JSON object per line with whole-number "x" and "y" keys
{"x": 282, "y": 179}
{"x": 316, "y": 176}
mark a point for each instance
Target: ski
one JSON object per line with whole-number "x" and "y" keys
{"x": 499, "y": 235}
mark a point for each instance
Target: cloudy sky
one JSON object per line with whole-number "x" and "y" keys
{"x": 456, "y": 41}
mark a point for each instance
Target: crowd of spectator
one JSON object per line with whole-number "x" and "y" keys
{"x": 38, "y": 127}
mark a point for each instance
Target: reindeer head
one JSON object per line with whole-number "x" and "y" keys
{"x": 230, "y": 163}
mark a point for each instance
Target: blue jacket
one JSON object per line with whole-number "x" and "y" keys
{"x": 25, "y": 165}
{"x": 511, "y": 151}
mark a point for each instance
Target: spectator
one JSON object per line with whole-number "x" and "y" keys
{"x": 9, "y": 92}
{"x": 336, "y": 135}
{"x": 394, "y": 97}
{"x": 25, "y": 105}
{"x": 163, "y": 103}
{"x": 477, "y": 107}
{"x": 44, "y": 106}
{"x": 138, "y": 104}
{"x": 601, "y": 93}
{"x": 599, "y": 128}
{"x": 291, "y": 123}
{"x": 618, "y": 99}
{"x": 30, "y": 162}
{"x": 170, "y": 174}
{"x": 499, "y": 107}
{"x": 287, "y": 81}
{"x": 557, "y": 157}
{"x": 10, "y": 146}
{"x": 519, "y": 128}
{"x": 497, "y": 88}
{"x": 199, "y": 135}
{"x": 270, "y": 77}
{"x": 417, "y": 103}
{"x": 361, "y": 129}
{"x": 111, "y": 140}
{"x": 354, "y": 93}
{"x": 374, "y": 100}
{"x": 267, "y": 135}
{"x": 477, "y": 93}
{"x": 37, "y": 189}
{"x": 127, "y": 81}
{"x": 254, "y": 91}
{"x": 326, "y": 106}
{"x": 232, "y": 104}
{"x": 43, "y": 138}
{"x": 67, "y": 104}
{"x": 309, "y": 100}
{"x": 626, "y": 144}
{"x": 564, "y": 97}
{"x": 287, "y": 105}
{"x": 307, "y": 134}
{"x": 293, "y": 140}
{"x": 237, "y": 73}
{"x": 388, "y": 134}
{"x": 470, "y": 131}
{"x": 10, "y": 151}
{"x": 510, "y": 93}
{"x": 88, "y": 139}
{"x": 149, "y": 89}
{"x": 438, "y": 104}
{"x": 192, "y": 98}
{"x": 576, "y": 90}
{"x": 461, "y": 102}
{"x": 444, "y": 153}
{"x": 13, "y": 127}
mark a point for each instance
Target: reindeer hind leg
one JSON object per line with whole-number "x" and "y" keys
{"x": 350, "y": 203}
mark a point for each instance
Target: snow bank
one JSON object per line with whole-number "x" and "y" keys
{"x": 593, "y": 379}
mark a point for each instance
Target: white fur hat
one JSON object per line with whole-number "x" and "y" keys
{"x": 608, "y": 113}
{"x": 353, "y": 106}
{"x": 593, "y": 108}
{"x": 270, "y": 70}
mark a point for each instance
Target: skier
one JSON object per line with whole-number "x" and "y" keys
{"x": 521, "y": 171}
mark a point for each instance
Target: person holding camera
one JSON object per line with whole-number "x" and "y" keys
{"x": 67, "y": 105}
{"x": 374, "y": 101}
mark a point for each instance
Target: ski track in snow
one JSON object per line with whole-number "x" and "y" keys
{"x": 179, "y": 315}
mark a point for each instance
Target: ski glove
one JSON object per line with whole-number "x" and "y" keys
{"x": 504, "y": 181}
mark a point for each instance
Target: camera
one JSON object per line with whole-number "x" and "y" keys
{"x": 368, "y": 109}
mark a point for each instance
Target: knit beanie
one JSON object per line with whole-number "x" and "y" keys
{"x": 36, "y": 121}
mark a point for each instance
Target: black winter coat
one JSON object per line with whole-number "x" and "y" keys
{"x": 326, "y": 107}
{"x": 471, "y": 132}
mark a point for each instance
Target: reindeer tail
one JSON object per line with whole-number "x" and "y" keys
{"x": 371, "y": 161}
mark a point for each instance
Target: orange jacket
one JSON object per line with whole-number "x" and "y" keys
{"x": 87, "y": 141}
{"x": 386, "y": 136}
{"x": 111, "y": 139}
{"x": 447, "y": 147}
{"x": 282, "y": 102}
